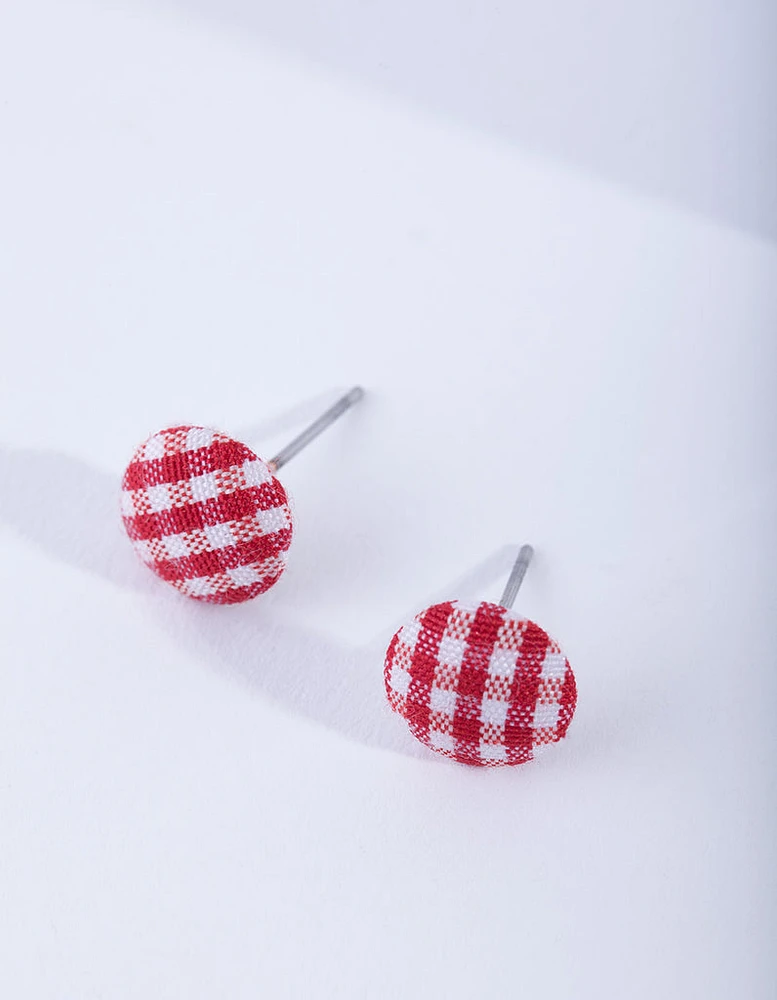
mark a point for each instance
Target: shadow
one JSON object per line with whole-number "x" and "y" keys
{"x": 635, "y": 97}
{"x": 307, "y": 673}
{"x": 70, "y": 511}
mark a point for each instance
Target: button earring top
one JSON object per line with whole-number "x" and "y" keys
{"x": 478, "y": 683}
{"x": 209, "y": 516}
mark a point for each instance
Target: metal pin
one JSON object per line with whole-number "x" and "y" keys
{"x": 303, "y": 439}
{"x": 516, "y": 576}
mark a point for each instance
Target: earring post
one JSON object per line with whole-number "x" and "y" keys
{"x": 517, "y": 574}
{"x": 309, "y": 434}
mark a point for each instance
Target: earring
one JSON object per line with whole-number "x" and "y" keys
{"x": 479, "y": 684}
{"x": 207, "y": 515}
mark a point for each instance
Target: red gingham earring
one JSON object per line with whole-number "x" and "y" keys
{"x": 207, "y": 515}
{"x": 479, "y": 684}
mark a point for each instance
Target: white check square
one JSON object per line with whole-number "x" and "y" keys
{"x": 204, "y": 487}
{"x": 451, "y": 651}
{"x": 494, "y": 712}
{"x": 272, "y": 520}
{"x": 502, "y": 663}
{"x": 243, "y": 576}
{"x": 154, "y": 448}
{"x": 399, "y": 680}
{"x": 255, "y": 473}
{"x": 175, "y": 546}
{"x": 442, "y": 741}
{"x": 219, "y": 535}
{"x": 198, "y": 437}
{"x": 443, "y": 701}
{"x": 554, "y": 666}
{"x": 200, "y": 586}
{"x": 408, "y": 634}
{"x": 158, "y": 498}
{"x": 546, "y": 716}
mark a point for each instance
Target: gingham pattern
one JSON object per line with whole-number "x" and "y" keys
{"x": 206, "y": 515}
{"x": 479, "y": 684}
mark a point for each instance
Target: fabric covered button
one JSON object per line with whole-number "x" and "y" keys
{"x": 479, "y": 684}
{"x": 206, "y": 514}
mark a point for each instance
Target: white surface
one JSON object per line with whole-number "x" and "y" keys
{"x": 200, "y": 802}
{"x": 675, "y": 98}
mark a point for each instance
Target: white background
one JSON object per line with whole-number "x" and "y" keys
{"x": 542, "y": 239}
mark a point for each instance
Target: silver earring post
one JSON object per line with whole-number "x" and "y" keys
{"x": 324, "y": 421}
{"x": 517, "y": 574}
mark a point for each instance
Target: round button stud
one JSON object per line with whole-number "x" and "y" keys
{"x": 206, "y": 514}
{"x": 479, "y": 684}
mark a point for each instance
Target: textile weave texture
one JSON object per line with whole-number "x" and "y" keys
{"x": 479, "y": 684}
{"x": 206, "y": 514}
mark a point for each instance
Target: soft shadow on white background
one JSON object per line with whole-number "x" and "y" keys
{"x": 670, "y": 99}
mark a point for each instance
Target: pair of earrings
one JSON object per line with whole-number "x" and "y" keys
{"x": 474, "y": 682}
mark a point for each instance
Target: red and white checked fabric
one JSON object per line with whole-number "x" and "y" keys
{"x": 479, "y": 684}
{"x": 206, "y": 514}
